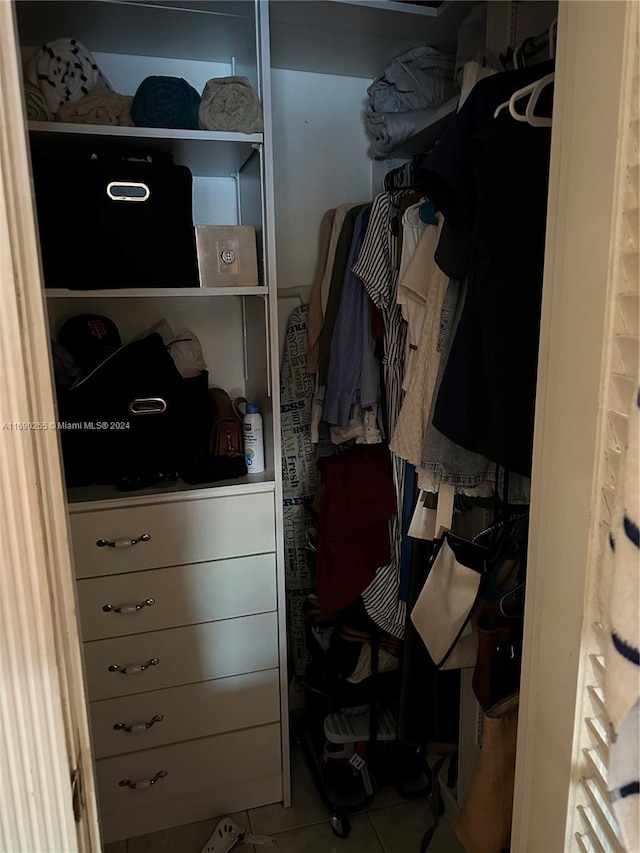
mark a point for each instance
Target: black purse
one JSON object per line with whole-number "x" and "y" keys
{"x": 115, "y": 218}
{"x": 500, "y": 619}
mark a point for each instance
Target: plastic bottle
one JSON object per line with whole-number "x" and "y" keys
{"x": 253, "y": 440}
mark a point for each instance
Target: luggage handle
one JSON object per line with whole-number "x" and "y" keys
{"x": 128, "y": 191}
{"x": 147, "y": 406}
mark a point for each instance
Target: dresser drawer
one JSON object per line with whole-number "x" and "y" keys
{"x": 180, "y": 595}
{"x": 193, "y": 767}
{"x": 186, "y": 531}
{"x": 184, "y": 655}
{"x": 184, "y": 713}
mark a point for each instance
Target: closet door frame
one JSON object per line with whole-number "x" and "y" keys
{"x": 44, "y": 720}
{"x": 571, "y": 371}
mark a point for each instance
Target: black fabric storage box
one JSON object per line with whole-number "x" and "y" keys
{"x": 115, "y": 219}
{"x": 134, "y": 418}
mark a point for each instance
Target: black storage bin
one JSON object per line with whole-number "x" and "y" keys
{"x": 134, "y": 419}
{"x": 115, "y": 218}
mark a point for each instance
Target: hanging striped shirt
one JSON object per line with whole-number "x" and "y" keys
{"x": 377, "y": 267}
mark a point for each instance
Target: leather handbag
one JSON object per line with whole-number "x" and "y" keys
{"x": 227, "y": 434}
{"x": 500, "y": 621}
{"x": 225, "y": 459}
{"x": 496, "y": 676}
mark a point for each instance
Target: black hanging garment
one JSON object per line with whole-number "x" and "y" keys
{"x": 490, "y": 176}
{"x": 429, "y": 698}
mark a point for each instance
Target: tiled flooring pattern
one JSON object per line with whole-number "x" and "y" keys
{"x": 393, "y": 825}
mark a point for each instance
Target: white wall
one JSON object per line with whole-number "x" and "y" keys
{"x": 533, "y": 17}
{"x": 126, "y": 72}
{"x": 320, "y": 161}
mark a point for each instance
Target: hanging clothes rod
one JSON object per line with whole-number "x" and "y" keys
{"x": 534, "y": 44}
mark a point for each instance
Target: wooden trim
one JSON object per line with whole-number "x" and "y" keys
{"x": 596, "y": 625}
{"x": 44, "y": 726}
{"x": 581, "y": 195}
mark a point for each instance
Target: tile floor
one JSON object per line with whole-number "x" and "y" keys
{"x": 392, "y": 825}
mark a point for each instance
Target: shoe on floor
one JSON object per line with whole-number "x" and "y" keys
{"x": 224, "y": 837}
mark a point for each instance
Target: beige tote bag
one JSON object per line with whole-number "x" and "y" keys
{"x": 443, "y": 613}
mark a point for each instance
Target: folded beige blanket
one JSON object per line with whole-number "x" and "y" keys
{"x": 36, "y": 104}
{"x": 98, "y": 107}
{"x": 229, "y": 103}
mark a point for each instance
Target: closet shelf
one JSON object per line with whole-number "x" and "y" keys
{"x": 358, "y": 37}
{"x": 210, "y": 153}
{"x": 425, "y": 139}
{"x": 108, "y": 497}
{"x": 147, "y": 292}
{"x": 205, "y": 30}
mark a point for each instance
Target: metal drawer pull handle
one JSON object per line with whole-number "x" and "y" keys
{"x": 143, "y": 783}
{"x": 133, "y": 668}
{"x": 134, "y": 728}
{"x": 129, "y": 608}
{"x": 122, "y": 543}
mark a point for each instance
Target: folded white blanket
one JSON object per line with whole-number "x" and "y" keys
{"x": 229, "y": 103}
{"x": 98, "y": 107}
{"x": 36, "y": 104}
{"x": 64, "y": 70}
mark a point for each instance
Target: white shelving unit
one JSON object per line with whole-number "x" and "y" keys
{"x": 207, "y": 30}
{"x": 85, "y": 498}
{"x": 208, "y": 153}
{"x": 228, "y": 528}
{"x": 163, "y": 293}
{"x": 128, "y": 133}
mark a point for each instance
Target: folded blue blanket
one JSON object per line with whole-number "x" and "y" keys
{"x": 166, "y": 102}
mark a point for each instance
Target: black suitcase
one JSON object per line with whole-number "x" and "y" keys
{"x": 115, "y": 219}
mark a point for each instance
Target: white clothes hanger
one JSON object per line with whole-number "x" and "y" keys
{"x": 510, "y": 104}
{"x": 520, "y": 93}
{"x": 516, "y": 55}
{"x": 500, "y": 108}
{"x": 534, "y": 120}
{"x": 534, "y": 90}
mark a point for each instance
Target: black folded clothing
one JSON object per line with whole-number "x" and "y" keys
{"x": 215, "y": 468}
